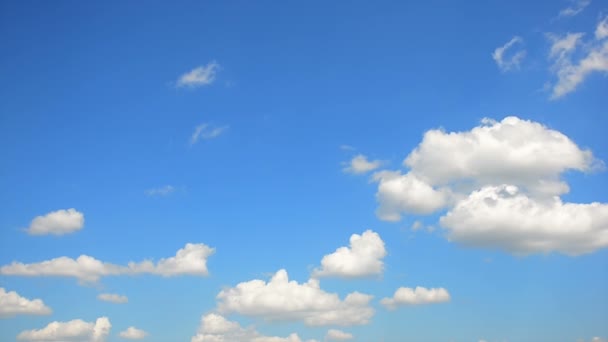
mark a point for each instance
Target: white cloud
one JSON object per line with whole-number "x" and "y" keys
{"x": 509, "y": 62}
{"x": 598, "y": 339}
{"x": 338, "y": 335}
{"x": 161, "y": 191}
{"x": 281, "y": 299}
{"x": 132, "y": 333}
{"x": 399, "y": 193}
{"x": 363, "y": 258}
{"x": 190, "y": 260}
{"x": 113, "y": 298}
{"x": 447, "y": 168}
{"x": 76, "y": 330}
{"x": 199, "y": 76}
{"x": 592, "y": 58}
{"x": 216, "y": 328}
{"x": 416, "y": 226}
{"x": 503, "y": 217}
{"x": 58, "y": 222}
{"x": 206, "y": 131}
{"x": 12, "y": 304}
{"x": 359, "y": 164}
{"x": 418, "y": 296}
{"x": 577, "y": 7}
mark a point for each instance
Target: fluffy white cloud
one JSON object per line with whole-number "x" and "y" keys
{"x": 417, "y": 296}
{"x": 199, "y": 76}
{"x": 132, "y": 333}
{"x": 577, "y": 7}
{"x": 570, "y": 71}
{"x": 206, "y": 131}
{"x": 513, "y": 151}
{"x": 12, "y": 304}
{"x": 507, "y": 63}
{"x": 58, "y": 222}
{"x": 190, "y": 260}
{"x": 503, "y": 217}
{"x": 76, "y": 330}
{"x": 113, "y": 298}
{"x": 447, "y": 166}
{"x": 448, "y": 169}
{"x": 398, "y": 193}
{"x": 161, "y": 191}
{"x": 216, "y": 328}
{"x": 338, "y": 335}
{"x": 360, "y": 164}
{"x": 363, "y": 258}
{"x": 281, "y": 299}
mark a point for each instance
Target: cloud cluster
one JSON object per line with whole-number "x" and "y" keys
{"x": 574, "y": 61}
{"x": 190, "y": 260}
{"x": 113, "y": 298}
{"x": 216, "y": 328}
{"x": 12, "y": 304}
{"x": 75, "y": 330}
{"x": 360, "y": 164}
{"x": 132, "y": 333}
{"x": 508, "y": 62}
{"x": 418, "y": 296}
{"x": 363, "y": 258}
{"x": 282, "y": 299}
{"x": 501, "y": 183}
{"x": 199, "y": 76}
{"x": 58, "y": 222}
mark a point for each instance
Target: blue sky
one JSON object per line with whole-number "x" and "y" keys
{"x": 221, "y": 147}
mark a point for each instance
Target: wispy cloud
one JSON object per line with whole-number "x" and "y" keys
{"x": 577, "y": 7}
{"x": 572, "y": 71}
{"x": 206, "y": 131}
{"x": 161, "y": 191}
{"x": 512, "y": 61}
{"x": 199, "y": 76}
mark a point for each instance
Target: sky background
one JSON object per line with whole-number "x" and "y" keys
{"x": 97, "y": 113}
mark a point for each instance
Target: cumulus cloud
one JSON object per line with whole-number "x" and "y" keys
{"x": 113, "y": 298}
{"x": 506, "y": 61}
{"x": 418, "y": 296}
{"x": 281, "y": 299}
{"x": 161, "y": 191}
{"x": 338, "y": 335}
{"x": 398, "y": 193}
{"x": 446, "y": 166}
{"x": 206, "y": 131}
{"x": 12, "y": 304}
{"x": 132, "y": 333}
{"x": 199, "y": 76}
{"x": 363, "y": 258}
{"x": 503, "y": 217}
{"x": 216, "y": 328}
{"x": 76, "y": 330}
{"x": 472, "y": 174}
{"x": 577, "y": 7}
{"x": 573, "y": 61}
{"x": 58, "y": 222}
{"x": 190, "y": 260}
{"x": 360, "y": 164}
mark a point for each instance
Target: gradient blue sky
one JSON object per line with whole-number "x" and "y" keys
{"x": 93, "y": 117}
